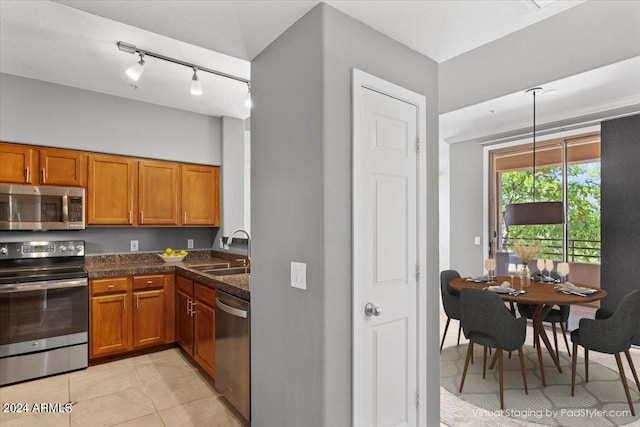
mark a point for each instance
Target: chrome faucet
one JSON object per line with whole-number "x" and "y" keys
{"x": 238, "y": 230}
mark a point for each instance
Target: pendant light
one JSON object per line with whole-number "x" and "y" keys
{"x": 534, "y": 213}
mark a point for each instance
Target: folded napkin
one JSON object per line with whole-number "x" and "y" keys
{"x": 480, "y": 279}
{"x": 571, "y": 288}
{"x": 504, "y": 288}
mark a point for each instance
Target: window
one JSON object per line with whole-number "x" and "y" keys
{"x": 566, "y": 170}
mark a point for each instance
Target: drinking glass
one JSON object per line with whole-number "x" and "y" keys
{"x": 512, "y": 270}
{"x": 490, "y": 266}
{"x": 540, "y": 265}
{"x": 549, "y": 265}
{"x": 563, "y": 271}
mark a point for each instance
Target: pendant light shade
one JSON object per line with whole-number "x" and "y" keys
{"x": 534, "y": 213}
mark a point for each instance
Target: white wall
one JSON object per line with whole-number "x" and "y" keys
{"x": 233, "y": 175}
{"x": 41, "y": 113}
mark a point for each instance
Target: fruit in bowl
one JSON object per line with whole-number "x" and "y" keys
{"x": 169, "y": 255}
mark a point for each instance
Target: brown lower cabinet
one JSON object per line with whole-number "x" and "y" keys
{"x": 130, "y": 312}
{"x": 195, "y": 321}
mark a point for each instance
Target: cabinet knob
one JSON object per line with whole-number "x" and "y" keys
{"x": 149, "y": 282}
{"x": 110, "y": 286}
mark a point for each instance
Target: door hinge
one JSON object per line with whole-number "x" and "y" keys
{"x": 417, "y": 271}
{"x": 418, "y": 145}
{"x": 417, "y": 399}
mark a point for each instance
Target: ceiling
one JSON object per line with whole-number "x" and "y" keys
{"x": 73, "y": 43}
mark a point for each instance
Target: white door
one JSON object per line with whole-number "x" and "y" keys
{"x": 388, "y": 241}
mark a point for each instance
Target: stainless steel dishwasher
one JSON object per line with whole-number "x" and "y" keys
{"x": 232, "y": 362}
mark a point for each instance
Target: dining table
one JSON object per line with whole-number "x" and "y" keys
{"x": 543, "y": 296}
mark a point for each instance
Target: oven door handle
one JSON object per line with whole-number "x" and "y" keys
{"x": 43, "y": 286}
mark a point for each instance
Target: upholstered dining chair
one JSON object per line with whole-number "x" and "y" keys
{"x": 558, "y": 315}
{"x": 450, "y": 301}
{"x": 488, "y": 322}
{"x": 612, "y": 335}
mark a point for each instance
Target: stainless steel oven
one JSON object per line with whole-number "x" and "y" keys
{"x": 44, "y": 309}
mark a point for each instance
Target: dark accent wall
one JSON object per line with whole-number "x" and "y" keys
{"x": 620, "y": 210}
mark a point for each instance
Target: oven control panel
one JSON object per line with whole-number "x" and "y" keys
{"x": 42, "y": 249}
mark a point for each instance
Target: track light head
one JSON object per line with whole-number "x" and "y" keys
{"x": 135, "y": 71}
{"x": 248, "y": 103}
{"x": 196, "y": 86}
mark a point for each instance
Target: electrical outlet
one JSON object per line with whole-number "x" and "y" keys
{"x": 189, "y": 243}
{"x": 134, "y": 246}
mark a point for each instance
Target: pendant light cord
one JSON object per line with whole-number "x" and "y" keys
{"x": 534, "y": 145}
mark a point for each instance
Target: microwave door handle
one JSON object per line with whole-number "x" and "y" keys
{"x": 65, "y": 209}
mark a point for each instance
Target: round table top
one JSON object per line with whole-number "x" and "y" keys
{"x": 536, "y": 292}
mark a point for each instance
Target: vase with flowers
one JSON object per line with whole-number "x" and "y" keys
{"x": 525, "y": 253}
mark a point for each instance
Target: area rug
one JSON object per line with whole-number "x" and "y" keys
{"x": 600, "y": 402}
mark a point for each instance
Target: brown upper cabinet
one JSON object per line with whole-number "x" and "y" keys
{"x": 61, "y": 167}
{"x": 158, "y": 192}
{"x": 110, "y": 189}
{"x": 23, "y": 164}
{"x": 200, "y": 195}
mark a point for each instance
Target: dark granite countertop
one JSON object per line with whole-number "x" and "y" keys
{"x": 149, "y": 263}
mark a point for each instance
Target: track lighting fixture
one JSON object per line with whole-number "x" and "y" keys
{"x": 196, "y": 86}
{"x": 135, "y": 71}
{"x": 248, "y": 103}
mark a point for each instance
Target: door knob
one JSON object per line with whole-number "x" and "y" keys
{"x": 372, "y": 310}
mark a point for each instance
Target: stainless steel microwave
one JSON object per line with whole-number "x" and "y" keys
{"x": 30, "y": 207}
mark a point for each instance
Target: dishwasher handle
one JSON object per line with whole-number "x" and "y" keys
{"x": 231, "y": 310}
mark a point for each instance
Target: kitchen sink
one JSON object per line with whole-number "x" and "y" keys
{"x": 227, "y": 271}
{"x": 222, "y": 269}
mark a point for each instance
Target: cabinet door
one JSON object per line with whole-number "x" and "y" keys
{"x": 200, "y": 195}
{"x": 110, "y": 324}
{"x": 61, "y": 167}
{"x": 158, "y": 193}
{"x": 204, "y": 339}
{"x": 18, "y": 164}
{"x": 110, "y": 189}
{"x": 184, "y": 321}
{"x": 148, "y": 318}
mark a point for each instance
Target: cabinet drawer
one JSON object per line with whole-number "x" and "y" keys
{"x": 205, "y": 294}
{"x": 148, "y": 282}
{"x": 110, "y": 285}
{"x": 185, "y": 285}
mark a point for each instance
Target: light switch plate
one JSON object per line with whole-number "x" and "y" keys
{"x": 134, "y": 246}
{"x": 477, "y": 240}
{"x": 299, "y": 275}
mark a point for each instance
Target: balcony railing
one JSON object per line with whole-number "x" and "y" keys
{"x": 577, "y": 250}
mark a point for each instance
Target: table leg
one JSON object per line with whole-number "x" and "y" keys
{"x": 536, "y": 344}
{"x": 538, "y": 317}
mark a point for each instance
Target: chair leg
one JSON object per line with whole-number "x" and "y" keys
{"x": 494, "y": 360}
{"x": 555, "y": 337}
{"x": 446, "y": 327}
{"x": 564, "y": 334}
{"x": 586, "y": 365}
{"x": 466, "y": 365}
{"x": 574, "y": 359}
{"x": 459, "y": 329}
{"x": 484, "y": 363}
{"x": 624, "y": 383}
{"x": 501, "y": 376}
{"x": 524, "y": 373}
{"x": 633, "y": 369}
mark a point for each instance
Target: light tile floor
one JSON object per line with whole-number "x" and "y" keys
{"x": 162, "y": 389}
{"x": 456, "y": 412}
